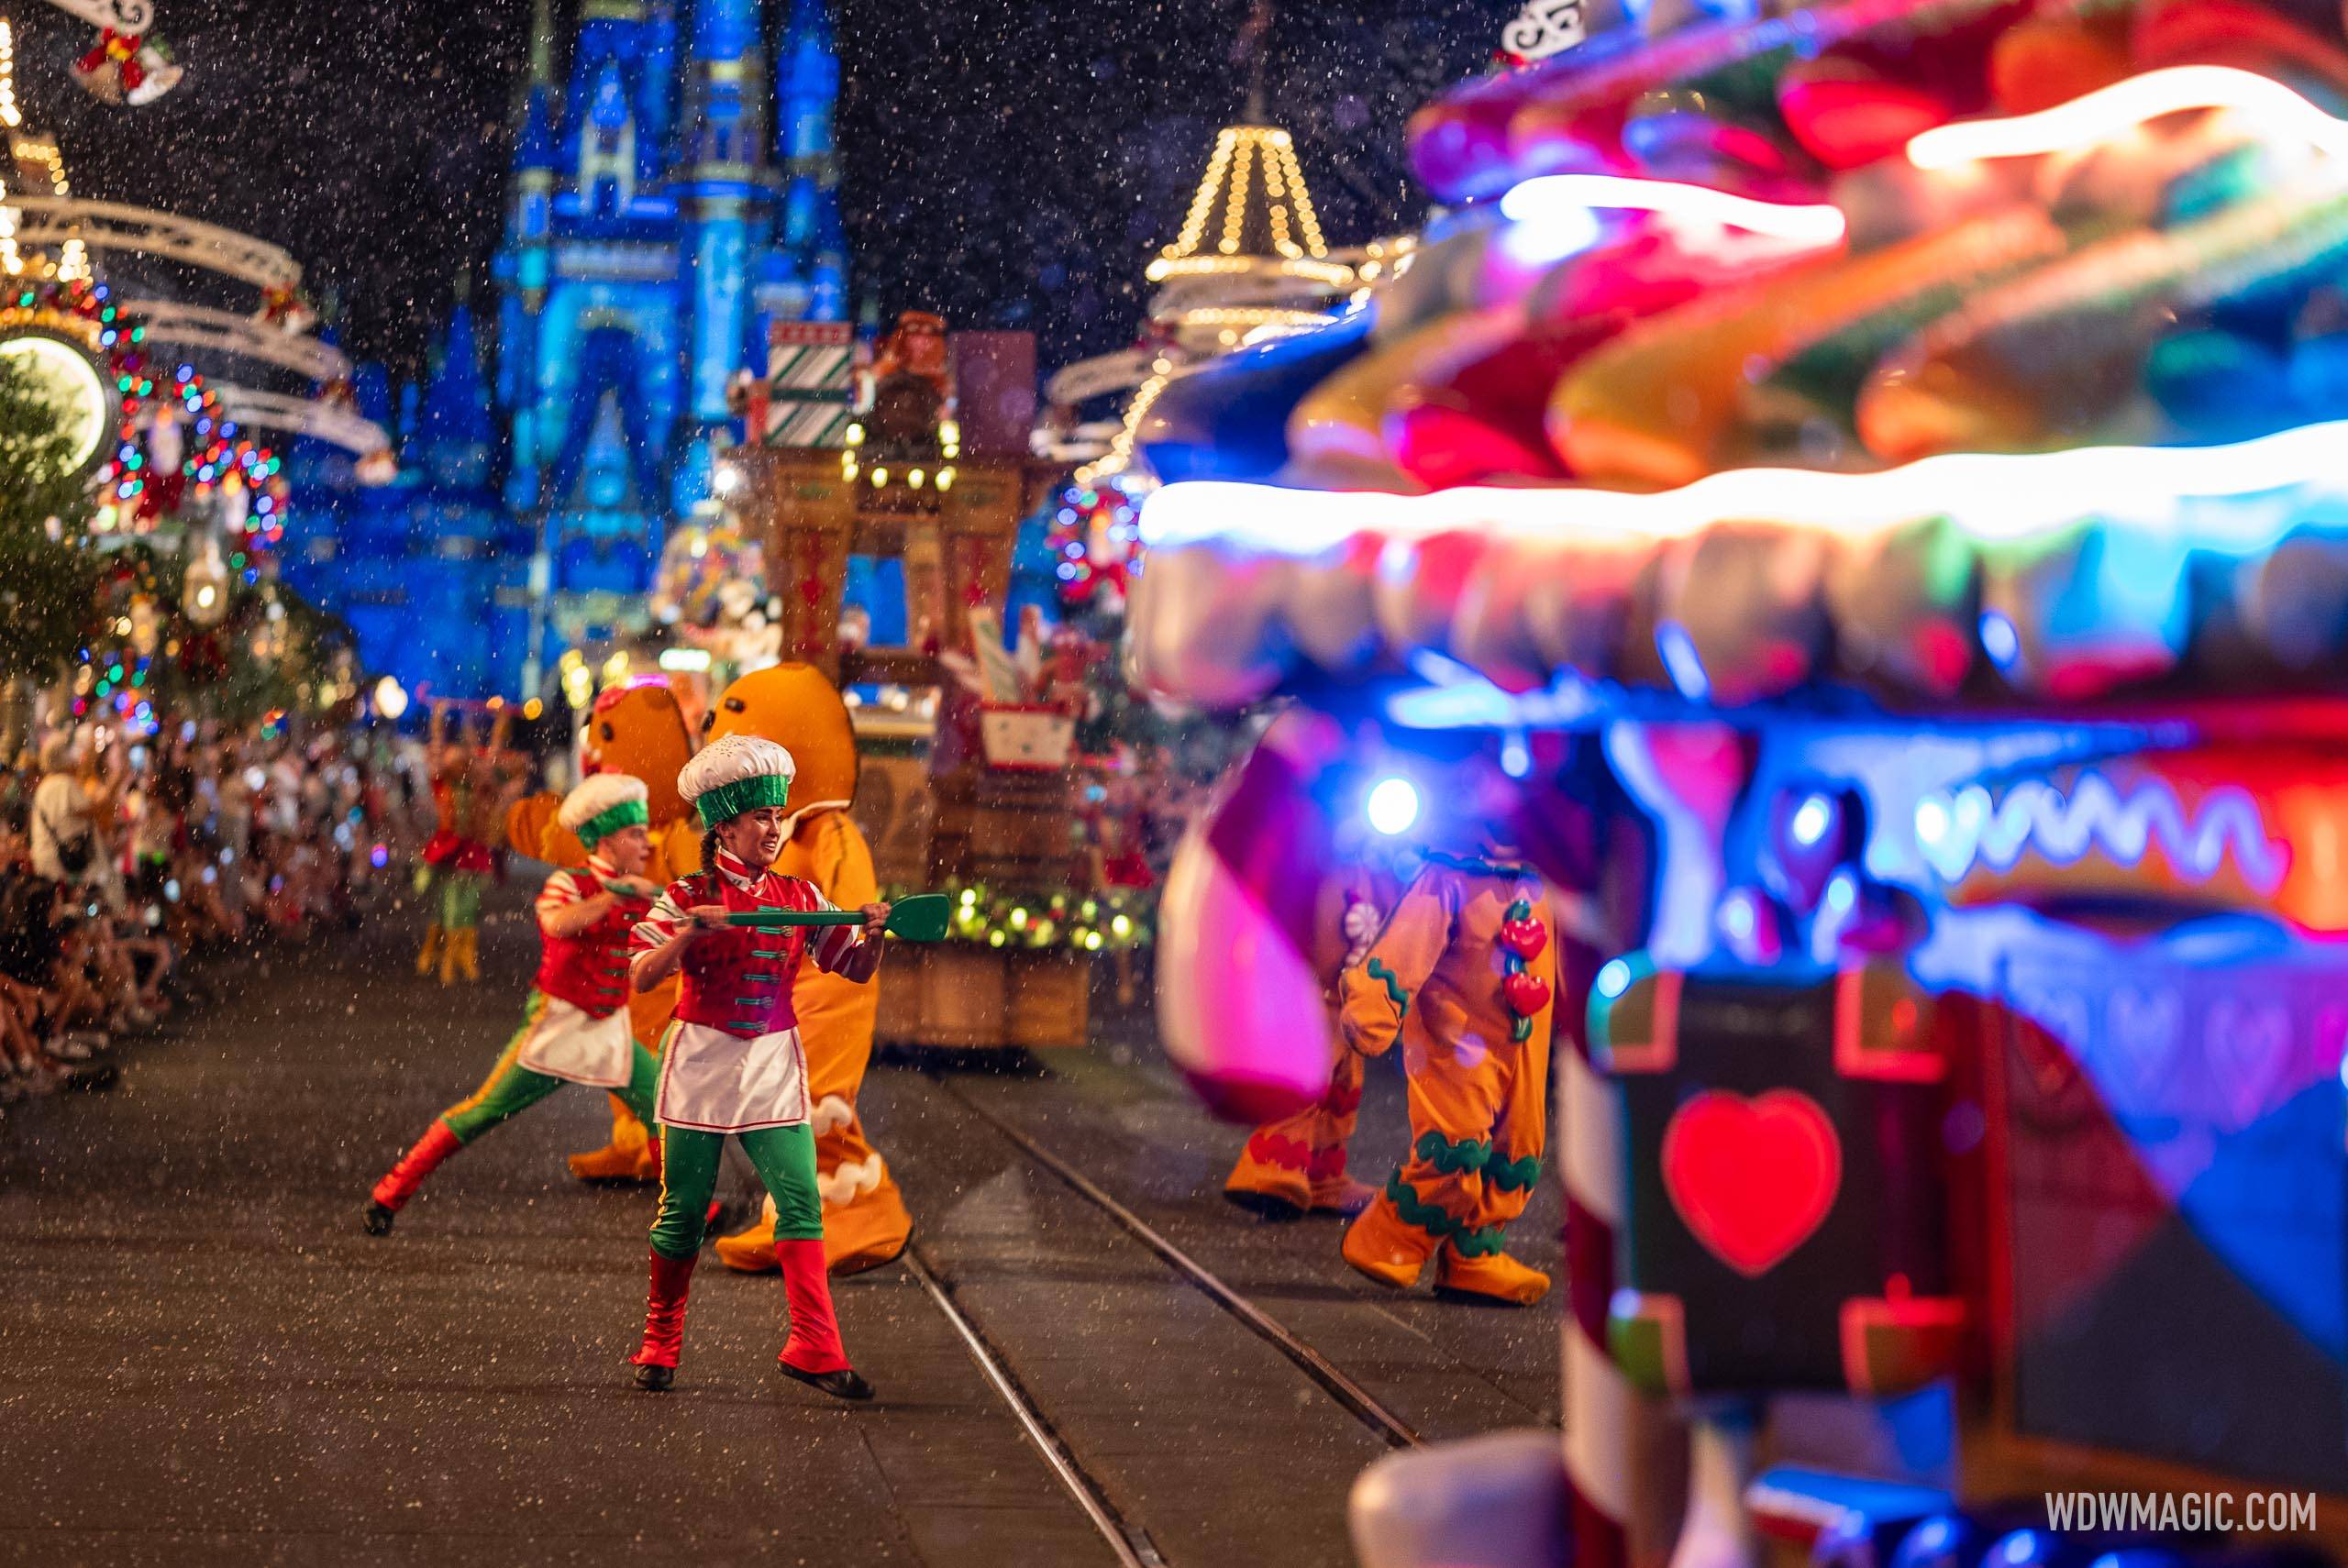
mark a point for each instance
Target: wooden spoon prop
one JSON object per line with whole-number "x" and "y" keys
{"x": 922, "y": 917}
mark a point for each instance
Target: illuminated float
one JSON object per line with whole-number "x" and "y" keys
{"x": 1910, "y": 446}
{"x": 921, "y": 482}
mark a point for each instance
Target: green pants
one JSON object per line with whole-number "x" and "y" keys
{"x": 460, "y": 899}
{"x": 784, "y": 1158}
{"x": 511, "y": 1089}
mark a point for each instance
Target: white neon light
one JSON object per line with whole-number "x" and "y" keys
{"x": 2241, "y": 497}
{"x": 2110, "y": 111}
{"x": 1968, "y": 828}
{"x": 1546, "y": 196}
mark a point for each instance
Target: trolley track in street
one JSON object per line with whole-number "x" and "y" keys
{"x": 1131, "y": 1545}
{"x": 1323, "y": 1373}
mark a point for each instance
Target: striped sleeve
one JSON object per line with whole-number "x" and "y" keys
{"x": 664, "y": 919}
{"x": 561, "y": 891}
{"x": 829, "y": 945}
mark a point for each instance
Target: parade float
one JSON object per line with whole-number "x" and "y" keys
{"x": 1896, "y": 451}
{"x": 964, "y": 784}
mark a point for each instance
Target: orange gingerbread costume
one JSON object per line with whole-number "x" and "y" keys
{"x": 639, "y": 731}
{"x": 1462, "y": 975}
{"x": 865, "y": 1220}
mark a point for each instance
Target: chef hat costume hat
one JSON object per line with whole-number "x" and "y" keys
{"x": 603, "y": 805}
{"x": 734, "y": 773}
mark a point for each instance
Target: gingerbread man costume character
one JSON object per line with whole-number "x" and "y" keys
{"x": 865, "y": 1220}
{"x": 1462, "y": 975}
{"x": 575, "y": 1028}
{"x": 732, "y": 1064}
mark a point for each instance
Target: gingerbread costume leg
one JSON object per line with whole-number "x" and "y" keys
{"x": 1455, "y": 1097}
{"x": 1299, "y": 1163}
{"x": 1472, "y": 1262}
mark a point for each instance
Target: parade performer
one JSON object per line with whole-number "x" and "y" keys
{"x": 575, "y": 1025}
{"x": 865, "y": 1220}
{"x": 1460, "y": 975}
{"x": 733, "y": 1062}
{"x": 471, "y": 783}
{"x": 638, "y": 730}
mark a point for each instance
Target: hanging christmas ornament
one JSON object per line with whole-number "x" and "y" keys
{"x": 377, "y": 469}
{"x": 126, "y": 67}
{"x": 282, "y": 306}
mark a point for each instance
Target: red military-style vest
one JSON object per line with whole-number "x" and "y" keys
{"x": 738, "y": 979}
{"x": 590, "y": 970}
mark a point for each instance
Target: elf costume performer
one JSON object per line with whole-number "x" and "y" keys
{"x": 865, "y": 1220}
{"x": 471, "y": 784}
{"x": 575, "y": 1026}
{"x": 733, "y": 1062}
{"x": 1461, "y": 976}
{"x": 638, "y": 730}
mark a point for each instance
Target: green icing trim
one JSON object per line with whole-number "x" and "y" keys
{"x": 727, "y": 801}
{"x": 1415, "y": 1212}
{"x": 1400, "y": 997}
{"x": 1480, "y": 1243}
{"x": 1467, "y": 1154}
{"x": 1512, "y": 1176}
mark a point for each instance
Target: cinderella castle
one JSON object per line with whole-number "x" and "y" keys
{"x": 669, "y": 200}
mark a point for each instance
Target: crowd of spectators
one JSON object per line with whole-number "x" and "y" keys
{"x": 125, "y": 861}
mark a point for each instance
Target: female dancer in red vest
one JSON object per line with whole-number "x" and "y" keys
{"x": 576, "y": 1026}
{"x": 733, "y": 1062}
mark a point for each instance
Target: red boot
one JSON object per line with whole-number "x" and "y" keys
{"x": 664, "y": 1324}
{"x": 813, "y": 1354}
{"x": 399, "y": 1184}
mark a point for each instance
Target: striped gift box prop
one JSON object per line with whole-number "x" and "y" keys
{"x": 806, "y": 398}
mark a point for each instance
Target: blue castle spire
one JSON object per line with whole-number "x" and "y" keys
{"x": 670, "y": 197}
{"x": 456, "y": 433}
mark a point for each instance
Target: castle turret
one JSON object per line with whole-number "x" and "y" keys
{"x": 807, "y": 85}
{"x": 608, "y": 155}
{"x": 722, "y": 184}
{"x": 523, "y": 268}
{"x": 456, "y": 434}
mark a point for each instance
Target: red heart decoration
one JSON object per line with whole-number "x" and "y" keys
{"x": 1751, "y": 1177}
{"x": 1527, "y": 993}
{"x": 1525, "y": 938}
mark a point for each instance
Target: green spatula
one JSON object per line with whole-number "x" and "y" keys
{"x": 922, "y": 917}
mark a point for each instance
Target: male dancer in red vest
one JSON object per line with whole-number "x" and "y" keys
{"x": 575, "y": 1027}
{"x": 731, "y": 1061}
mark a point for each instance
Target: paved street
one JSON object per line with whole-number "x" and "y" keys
{"x": 204, "y": 1360}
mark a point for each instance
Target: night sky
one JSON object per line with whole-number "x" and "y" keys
{"x": 1008, "y": 164}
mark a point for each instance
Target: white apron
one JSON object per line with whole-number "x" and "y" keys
{"x": 564, "y": 1043}
{"x": 715, "y": 1082}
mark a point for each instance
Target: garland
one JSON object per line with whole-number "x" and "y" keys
{"x": 1113, "y": 920}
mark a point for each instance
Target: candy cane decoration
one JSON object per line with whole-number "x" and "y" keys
{"x": 1600, "y": 1404}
